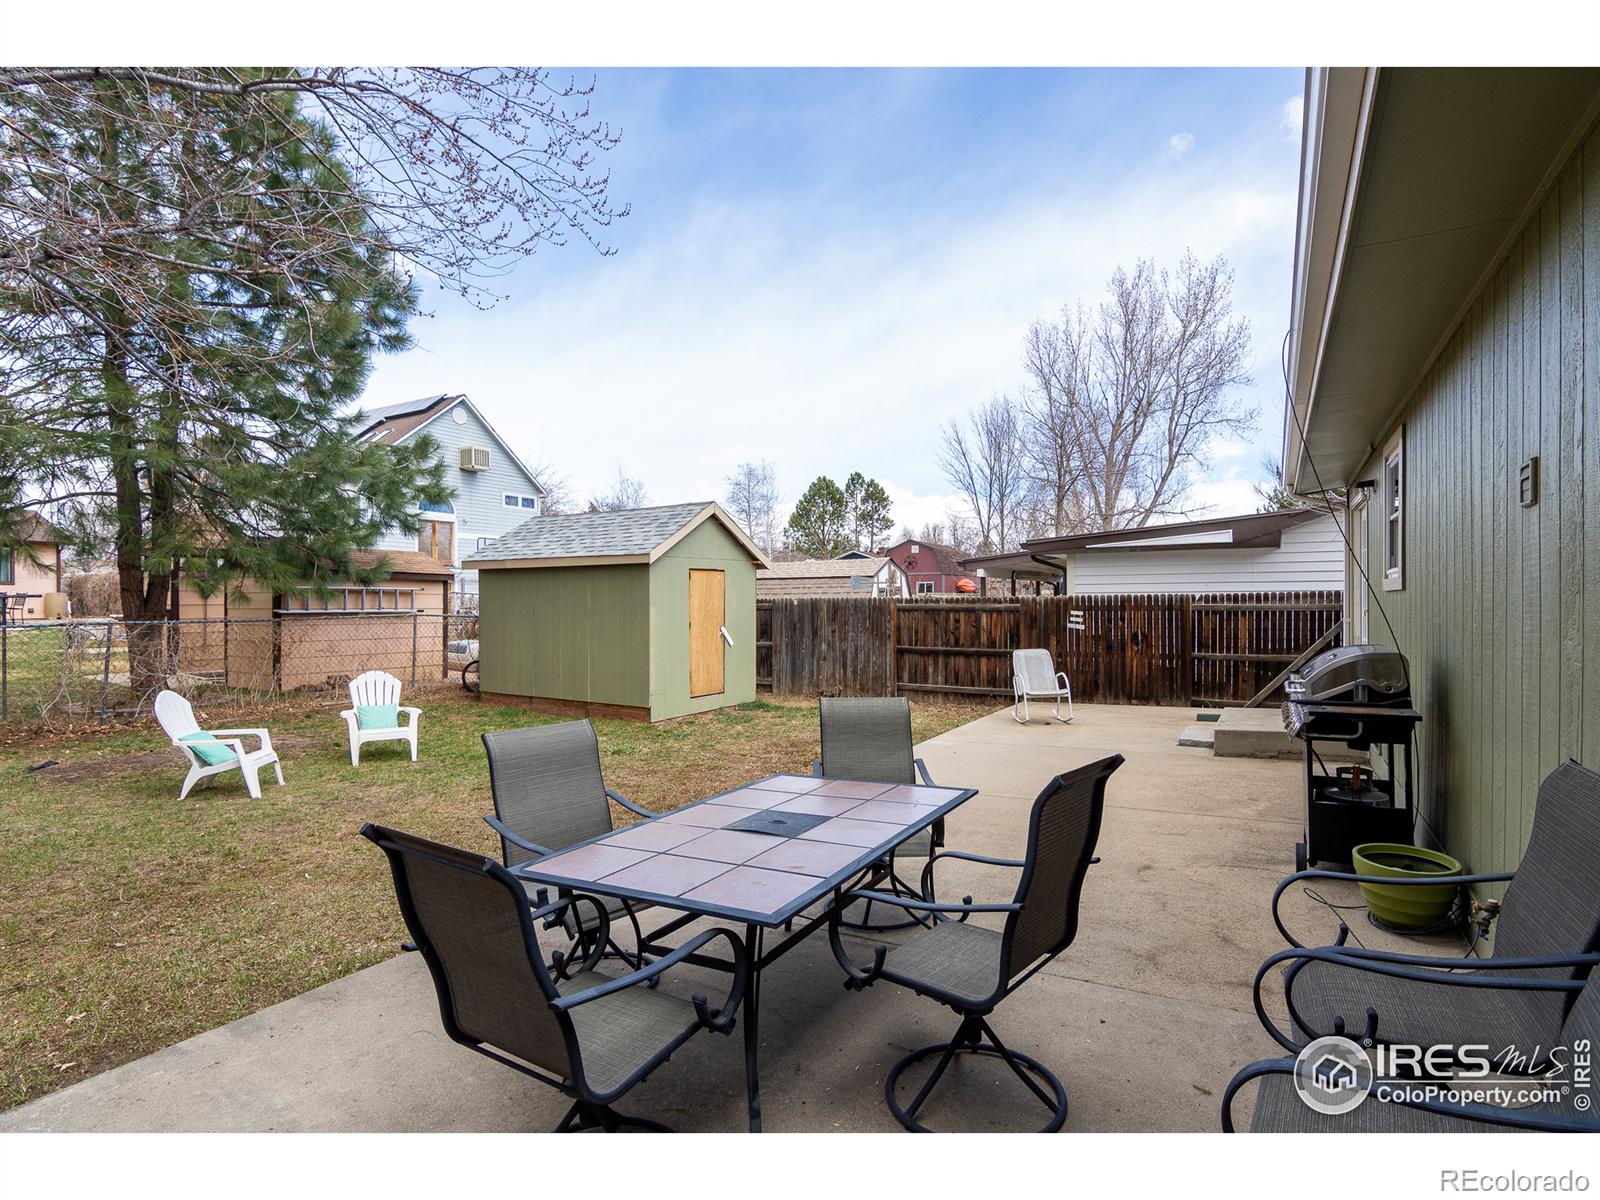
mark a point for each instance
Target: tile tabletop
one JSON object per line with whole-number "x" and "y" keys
{"x": 691, "y": 860}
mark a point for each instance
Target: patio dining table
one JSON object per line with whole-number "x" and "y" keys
{"x": 762, "y": 855}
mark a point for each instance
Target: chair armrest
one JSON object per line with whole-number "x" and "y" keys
{"x": 521, "y": 842}
{"x": 905, "y": 902}
{"x": 1510, "y": 1118}
{"x": 348, "y": 714}
{"x": 719, "y": 1020}
{"x": 415, "y": 713}
{"x": 266, "y": 738}
{"x": 1062, "y": 676}
{"x": 553, "y": 914}
{"x": 989, "y": 860}
{"x": 1351, "y": 876}
{"x": 629, "y": 804}
{"x": 922, "y": 772}
{"x": 1412, "y": 967}
{"x": 982, "y": 858}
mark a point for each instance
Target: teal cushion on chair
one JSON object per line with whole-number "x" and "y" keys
{"x": 377, "y": 716}
{"x": 206, "y": 747}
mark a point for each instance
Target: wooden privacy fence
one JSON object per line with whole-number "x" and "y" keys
{"x": 1134, "y": 649}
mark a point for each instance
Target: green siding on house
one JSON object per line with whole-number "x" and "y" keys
{"x": 708, "y": 546}
{"x": 567, "y": 633}
{"x": 1499, "y": 601}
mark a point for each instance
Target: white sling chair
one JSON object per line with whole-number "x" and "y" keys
{"x": 1034, "y": 675}
{"x": 213, "y": 751}
{"x": 378, "y": 689}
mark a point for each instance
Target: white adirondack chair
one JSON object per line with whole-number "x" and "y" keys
{"x": 176, "y": 717}
{"x": 1034, "y": 675}
{"x": 378, "y": 687}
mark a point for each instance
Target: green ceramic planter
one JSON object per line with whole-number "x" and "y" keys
{"x": 1411, "y": 906}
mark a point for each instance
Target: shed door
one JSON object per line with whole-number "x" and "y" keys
{"x": 706, "y": 617}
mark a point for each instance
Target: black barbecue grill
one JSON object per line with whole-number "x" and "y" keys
{"x": 1359, "y": 696}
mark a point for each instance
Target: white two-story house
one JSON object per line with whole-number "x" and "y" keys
{"x": 494, "y": 490}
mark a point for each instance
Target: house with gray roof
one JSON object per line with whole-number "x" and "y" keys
{"x": 494, "y": 489}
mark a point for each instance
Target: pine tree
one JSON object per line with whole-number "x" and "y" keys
{"x": 204, "y": 426}
{"x": 817, "y": 527}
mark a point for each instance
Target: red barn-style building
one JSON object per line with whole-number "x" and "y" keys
{"x": 930, "y": 568}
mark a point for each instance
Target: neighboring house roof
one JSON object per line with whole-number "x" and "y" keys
{"x": 1414, "y": 182}
{"x": 394, "y": 423}
{"x": 636, "y": 535}
{"x": 824, "y": 577}
{"x": 401, "y": 562}
{"x": 1251, "y": 531}
{"x": 36, "y": 529}
{"x": 823, "y": 568}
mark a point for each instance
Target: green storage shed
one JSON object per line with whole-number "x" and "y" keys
{"x": 648, "y": 614}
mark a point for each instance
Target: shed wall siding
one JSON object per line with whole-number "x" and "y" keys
{"x": 1500, "y": 601}
{"x": 480, "y": 512}
{"x": 710, "y": 547}
{"x": 567, "y": 633}
{"x": 1310, "y": 558}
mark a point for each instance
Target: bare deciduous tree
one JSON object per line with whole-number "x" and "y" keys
{"x": 752, "y": 498}
{"x": 983, "y": 460}
{"x": 628, "y": 492}
{"x": 557, "y": 488}
{"x": 1124, "y": 398}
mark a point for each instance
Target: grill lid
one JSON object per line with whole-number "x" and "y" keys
{"x": 1361, "y": 673}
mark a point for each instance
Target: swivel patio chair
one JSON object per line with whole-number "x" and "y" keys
{"x": 1278, "y": 1107}
{"x": 1034, "y": 676}
{"x": 871, "y": 740}
{"x": 1549, "y": 913}
{"x": 549, "y": 794}
{"x": 971, "y": 968}
{"x": 588, "y": 1035}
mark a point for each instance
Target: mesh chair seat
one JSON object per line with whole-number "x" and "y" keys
{"x": 1424, "y": 1014}
{"x": 955, "y": 957}
{"x": 1279, "y": 1109}
{"x": 622, "y": 1032}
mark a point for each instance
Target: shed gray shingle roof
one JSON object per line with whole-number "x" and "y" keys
{"x": 630, "y": 533}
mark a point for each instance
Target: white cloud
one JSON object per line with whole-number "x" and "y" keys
{"x": 1179, "y": 144}
{"x": 740, "y": 333}
{"x": 1290, "y": 117}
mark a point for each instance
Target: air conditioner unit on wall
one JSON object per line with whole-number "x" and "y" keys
{"x": 474, "y": 458}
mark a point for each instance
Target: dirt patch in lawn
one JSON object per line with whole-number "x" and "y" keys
{"x": 111, "y": 767}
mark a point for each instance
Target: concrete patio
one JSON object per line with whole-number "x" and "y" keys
{"x": 1145, "y": 1017}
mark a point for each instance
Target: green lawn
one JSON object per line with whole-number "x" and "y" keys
{"x": 129, "y": 921}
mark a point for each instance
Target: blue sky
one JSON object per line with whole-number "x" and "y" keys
{"x": 823, "y": 267}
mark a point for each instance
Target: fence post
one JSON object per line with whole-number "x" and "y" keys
{"x": 5, "y": 641}
{"x": 105, "y": 673}
{"x": 414, "y": 617}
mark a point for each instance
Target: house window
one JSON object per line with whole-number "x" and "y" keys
{"x": 1392, "y": 491}
{"x": 509, "y": 500}
{"x": 7, "y": 570}
{"x": 530, "y": 502}
{"x": 437, "y": 539}
{"x": 924, "y": 587}
{"x": 516, "y": 500}
{"x": 351, "y": 600}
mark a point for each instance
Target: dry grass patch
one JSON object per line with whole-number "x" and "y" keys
{"x": 129, "y": 921}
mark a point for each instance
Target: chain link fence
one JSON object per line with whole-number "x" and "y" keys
{"x": 99, "y": 669}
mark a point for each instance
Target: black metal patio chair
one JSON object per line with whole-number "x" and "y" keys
{"x": 589, "y": 1035}
{"x": 1550, "y": 913}
{"x": 971, "y": 968}
{"x": 549, "y": 794}
{"x": 1278, "y": 1108}
{"x": 871, "y": 740}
